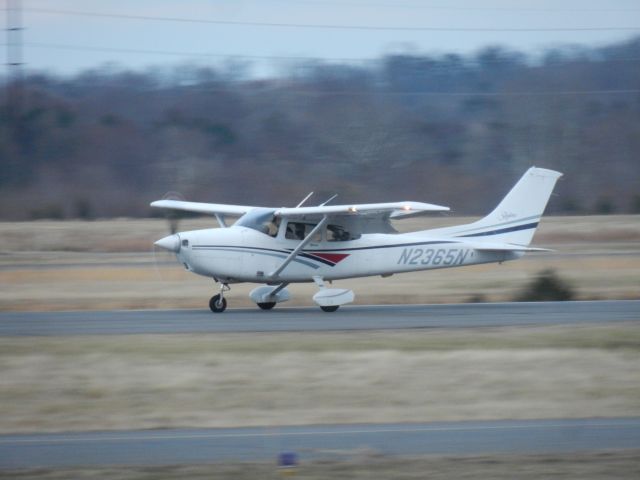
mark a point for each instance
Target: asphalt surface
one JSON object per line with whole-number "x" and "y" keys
{"x": 172, "y": 447}
{"x": 313, "y": 319}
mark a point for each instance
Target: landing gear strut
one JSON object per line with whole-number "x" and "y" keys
{"x": 218, "y": 303}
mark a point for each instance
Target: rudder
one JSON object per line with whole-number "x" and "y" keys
{"x": 516, "y": 217}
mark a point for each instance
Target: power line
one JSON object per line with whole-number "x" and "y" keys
{"x": 261, "y": 88}
{"x": 543, "y": 93}
{"x": 395, "y": 93}
{"x": 374, "y": 91}
{"x": 398, "y": 5}
{"x": 465, "y": 63}
{"x": 323, "y": 26}
{"x": 60, "y": 46}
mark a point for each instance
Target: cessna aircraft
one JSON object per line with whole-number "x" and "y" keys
{"x": 279, "y": 246}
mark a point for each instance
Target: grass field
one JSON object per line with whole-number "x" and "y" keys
{"x": 110, "y": 264}
{"x": 161, "y": 381}
{"x": 158, "y": 381}
{"x": 355, "y": 465}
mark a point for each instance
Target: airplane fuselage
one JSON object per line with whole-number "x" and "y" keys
{"x": 279, "y": 246}
{"x": 239, "y": 254}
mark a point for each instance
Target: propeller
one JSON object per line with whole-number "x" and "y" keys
{"x": 173, "y": 218}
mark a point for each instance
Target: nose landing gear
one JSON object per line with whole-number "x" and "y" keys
{"x": 218, "y": 303}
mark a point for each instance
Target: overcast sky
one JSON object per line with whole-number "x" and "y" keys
{"x": 59, "y": 35}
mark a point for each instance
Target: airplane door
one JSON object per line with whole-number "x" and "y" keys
{"x": 258, "y": 260}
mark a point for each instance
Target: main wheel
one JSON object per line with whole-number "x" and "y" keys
{"x": 267, "y": 305}
{"x": 217, "y": 304}
{"x": 332, "y": 308}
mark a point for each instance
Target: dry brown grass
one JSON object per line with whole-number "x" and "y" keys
{"x": 94, "y": 265}
{"x": 156, "y": 381}
{"x": 358, "y": 465}
{"x": 127, "y": 235}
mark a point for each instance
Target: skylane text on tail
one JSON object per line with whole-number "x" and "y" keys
{"x": 279, "y": 246}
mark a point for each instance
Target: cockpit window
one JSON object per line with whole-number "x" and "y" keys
{"x": 336, "y": 233}
{"x": 300, "y": 230}
{"x": 260, "y": 219}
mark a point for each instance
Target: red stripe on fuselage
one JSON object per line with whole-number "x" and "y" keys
{"x": 330, "y": 257}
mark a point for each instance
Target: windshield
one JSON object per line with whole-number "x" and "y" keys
{"x": 260, "y": 219}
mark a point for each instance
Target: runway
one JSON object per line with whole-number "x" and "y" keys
{"x": 172, "y": 447}
{"x": 313, "y": 319}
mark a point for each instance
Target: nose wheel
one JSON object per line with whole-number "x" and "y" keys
{"x": 218, "y": 303}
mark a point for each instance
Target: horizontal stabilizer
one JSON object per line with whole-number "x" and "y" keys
{"x": 506, "y": 247}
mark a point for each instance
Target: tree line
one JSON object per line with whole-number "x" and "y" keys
{"x": 447, "y": 129}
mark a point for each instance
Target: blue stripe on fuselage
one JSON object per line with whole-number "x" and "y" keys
{"x": 502, "y": 230}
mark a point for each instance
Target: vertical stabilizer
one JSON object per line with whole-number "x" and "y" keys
{"x": 517, "y": 216}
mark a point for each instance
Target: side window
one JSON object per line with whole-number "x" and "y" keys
{"x": 300, "y": 230}
{"x": 261, "y": 220}
{"x": 273, "y": 227}
{"x": 335, "y": 233}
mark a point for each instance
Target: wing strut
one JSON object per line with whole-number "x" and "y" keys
{"x": 278, "y": 289}
{"x": 221, "y": 221}
{"x": 299, "y": 248}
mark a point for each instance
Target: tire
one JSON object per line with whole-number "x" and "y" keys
{"x": 266, "y": 305}
{"x": 332, "y": 308}
{"x": 216, "y": 305}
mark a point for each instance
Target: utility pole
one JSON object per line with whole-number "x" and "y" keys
{"x": 14, "y": 55}
{"x": 14, "y": 36}
{"x": 12, "y": 125}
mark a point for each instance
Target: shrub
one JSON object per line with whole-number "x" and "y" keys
{"x": 477, "y": 298}
{"x": 546, "y": 287}
{"x": 47, "y": 212}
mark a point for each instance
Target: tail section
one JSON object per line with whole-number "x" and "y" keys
{"x": 517, "y": 216}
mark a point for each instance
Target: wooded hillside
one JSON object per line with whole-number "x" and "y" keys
{"x": 448, "y": 129}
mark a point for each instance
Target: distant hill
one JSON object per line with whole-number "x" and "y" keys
{"x": 449, "y": 129}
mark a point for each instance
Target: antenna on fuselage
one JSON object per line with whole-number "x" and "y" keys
{"x": 324, "y": 203}
{"x": 304, "y": 200}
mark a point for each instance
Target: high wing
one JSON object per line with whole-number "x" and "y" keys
{"x": 394, "y": 210}
{"x": 208, "y": 208}
{"x": 356, "y": 218}
{"x": 361, "y": 218}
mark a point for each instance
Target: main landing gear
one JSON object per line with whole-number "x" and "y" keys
{"x": 266, "y": 305}
{"x": 330, "y": 299}
{"x": 332, "y": 308}
{"x": 218, "y": 303}
{"x": 268, "y": 296}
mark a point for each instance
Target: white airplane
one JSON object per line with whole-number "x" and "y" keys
{"x": 279, "y": 246}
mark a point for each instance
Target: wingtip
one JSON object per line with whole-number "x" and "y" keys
{"x": 546, "y": 172}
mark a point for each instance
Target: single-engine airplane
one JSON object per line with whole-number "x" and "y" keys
{"x": 279, "y": 246}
